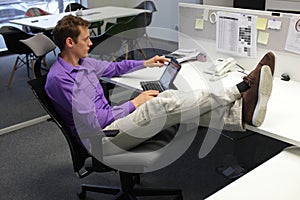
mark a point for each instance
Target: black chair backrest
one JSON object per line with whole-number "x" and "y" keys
{"x": 147, "y": 5}
{"x": 108, "y": 46}
{"x": 12, "y": 37}
{"x": 141, "y": 20}
{"x": 74, "y": 7}
{"x": 136, "y": 25}
{"x": 78, "y": 152}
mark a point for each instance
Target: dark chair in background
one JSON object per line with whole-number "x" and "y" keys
{"x": 139, "y": 24}
{"x": 109, "y": 42}
{"x": 95, "y": 25}
{"x": 84, "y": 163}
{"x": 147, "y": 5}
{"x": 12, "y": 37}
{"x": 74, "y": 6}
{"x": 134, "y": 32}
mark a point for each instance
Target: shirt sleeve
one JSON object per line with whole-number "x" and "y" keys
{"x": 112, "y": 69}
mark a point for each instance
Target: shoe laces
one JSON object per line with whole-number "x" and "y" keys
{"x": 249, "y": 79}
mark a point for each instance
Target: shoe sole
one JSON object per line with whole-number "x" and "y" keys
{"x": 264, "y": 93}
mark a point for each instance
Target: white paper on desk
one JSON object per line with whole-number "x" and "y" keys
{"x": 236, "y": 34}
{"x": 293, "y": 39}
{"x": 183, "y": 55}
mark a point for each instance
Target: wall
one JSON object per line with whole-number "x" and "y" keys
{"x": 292, "y": 5}
{"x": 228, "y": 3}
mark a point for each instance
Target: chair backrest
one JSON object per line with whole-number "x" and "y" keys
{"x": 40, "y": 45}
{"x": 135, "y": 26}
{"x": 140, "y": 21}
{"x": 147, "y": 5}
{"x": 112, "y": 29}
{"x": 78, "y": 152}
{"x": 34, "y": 11}
{"x": 12, "y": 37}
{"x": 74, "y": 7}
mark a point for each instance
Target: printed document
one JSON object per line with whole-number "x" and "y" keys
{"x": 293, "y": 39}
{"x": 236, "y": 34}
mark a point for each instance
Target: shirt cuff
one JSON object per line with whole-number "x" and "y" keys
{"x": 140, "y": 64}
{"x": 131, "y": 107}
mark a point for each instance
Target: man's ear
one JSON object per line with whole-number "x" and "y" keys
{"x": 69, "y": 42}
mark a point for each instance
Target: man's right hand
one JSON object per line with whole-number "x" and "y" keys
{"x": 143, "y": 97}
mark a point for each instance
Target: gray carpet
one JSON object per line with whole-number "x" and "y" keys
{"x": 36, "y": 164}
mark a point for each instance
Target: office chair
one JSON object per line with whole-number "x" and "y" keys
{"x": 135, "y": 30}
{"x": 74, "y": 6}
{"x": 84, "y": 163}
{"x": 147, "y": 5}
{"x": 40, "y": 45}
{"x": 94, "y": 25}
{"x": 12, "y": 37}
{"x": 34, "y": 12}
{"x": 108, "y": 42}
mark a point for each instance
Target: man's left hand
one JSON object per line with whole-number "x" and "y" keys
{"x": 156, "y": 61}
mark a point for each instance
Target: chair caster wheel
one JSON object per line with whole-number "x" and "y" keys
{"x": 81, "y": 195}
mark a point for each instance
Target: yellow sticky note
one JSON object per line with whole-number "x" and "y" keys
{"x": 199, "y": 24}
{"x": 263, "y": 37}
{"x": 261, "y": 23}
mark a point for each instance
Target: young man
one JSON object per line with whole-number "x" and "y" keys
{"x": 74, "y": 88}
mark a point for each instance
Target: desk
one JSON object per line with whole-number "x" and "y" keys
{"x": 276, "y": 179}
{"x": 282, "y": 116}
{"x": 48, "y": 22}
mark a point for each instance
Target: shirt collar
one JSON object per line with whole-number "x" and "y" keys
{"x": 68, "y": 67}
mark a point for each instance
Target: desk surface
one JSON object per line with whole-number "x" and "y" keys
{"x": 276, "y": 179}
{"x": 48, "y": 22}
{"x": 283, "y": 109}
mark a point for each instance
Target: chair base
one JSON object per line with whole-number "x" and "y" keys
{"x": 129, "y": 195}
{"x": 127, "y": 191}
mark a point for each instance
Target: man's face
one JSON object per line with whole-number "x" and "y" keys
{"x": 81, "y": 48}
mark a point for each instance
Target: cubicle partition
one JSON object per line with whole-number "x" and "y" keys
{"x": 278, "y": 32}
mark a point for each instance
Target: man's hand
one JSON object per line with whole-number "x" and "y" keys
{"x": 156, "y": 61}
{"x": 143, "y": 97}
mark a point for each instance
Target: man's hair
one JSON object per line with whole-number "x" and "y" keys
{"x": 68, "y": 26}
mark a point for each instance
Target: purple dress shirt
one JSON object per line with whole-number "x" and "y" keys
{"x": 76, "y": 92}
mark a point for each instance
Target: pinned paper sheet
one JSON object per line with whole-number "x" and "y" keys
{"x": 293, "y": 39}
{"x": 263, "y": 37}
{"x": 205, "y": 14}
{"x": 199, "y": 24}
{"x": 261, "y": 23}
{"x": 274, "y": 24}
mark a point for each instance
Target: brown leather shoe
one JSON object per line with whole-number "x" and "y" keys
{"x": 255, "y": 99}
{"x": 268, "y": 59}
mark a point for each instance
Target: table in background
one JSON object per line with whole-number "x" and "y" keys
{"x": 48, "y": 22}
